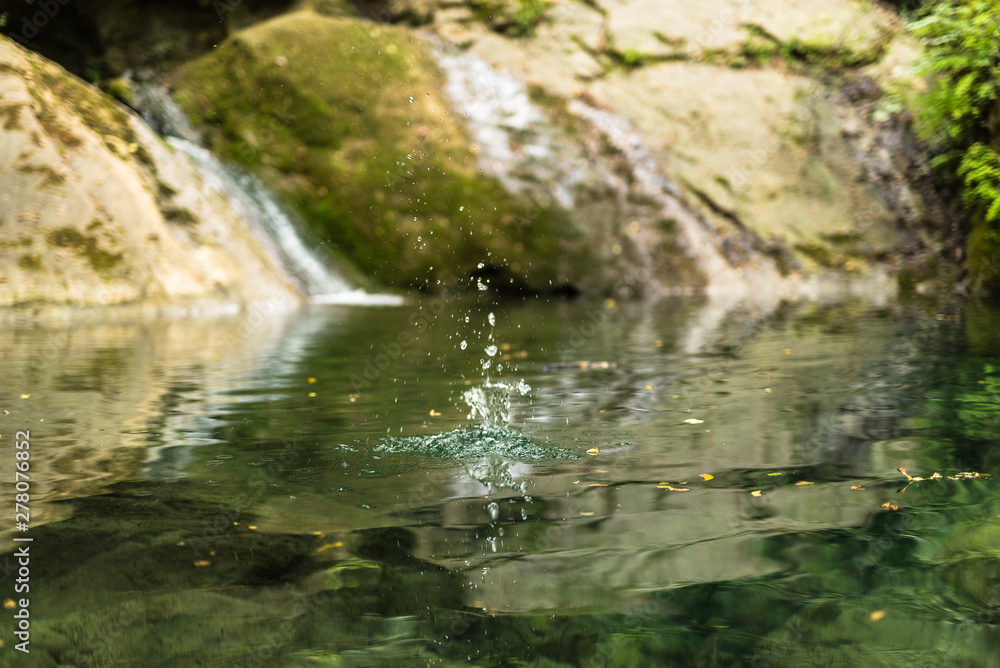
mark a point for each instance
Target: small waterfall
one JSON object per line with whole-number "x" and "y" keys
{"x": 255, "y": 203}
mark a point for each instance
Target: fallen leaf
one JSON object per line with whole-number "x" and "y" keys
{"x": 9, "y": 603}
{"x": 649, "y": 388}
{"x": 25, "y": 396}
{"x": 786, "y": 351}
{"x": 877, "y": 615}
{"x": 890, "y": 506}
{"x": 694, "y": 421}
{"x": 586, "y": 513}
{"x": 202, "y": 562}
{"x": 312, "y": 380}
{"x": 598, "y": 484}
{"x": 673, "y": 489}
{"x": 857, "y": 488}
{"x": 312, "y": 394}
{"x": 802, "y": 482}
{"x": 774, "y": 474}
{"x": 593, "y": 451}
{"x": 706, "y": 476}
{"x": 252, "y": 527}
{"x": 756, "y": 492}
{"x": 768, "y": 390}
{"x": 434, "y": 413}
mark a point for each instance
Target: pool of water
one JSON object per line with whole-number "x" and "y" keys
{"x": 679, "y": 486}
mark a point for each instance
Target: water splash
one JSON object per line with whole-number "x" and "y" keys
{"x": 491, "y": 401}
{"x": 490, "y": 439}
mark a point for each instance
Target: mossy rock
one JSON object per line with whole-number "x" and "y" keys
{"x": 347, "y": 121}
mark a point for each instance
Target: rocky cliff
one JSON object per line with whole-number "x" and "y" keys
{"x": 97, "y": 209}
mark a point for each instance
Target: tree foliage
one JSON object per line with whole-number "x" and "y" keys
{"x": 960, "y": 115}
{"x": 960, "y": 112}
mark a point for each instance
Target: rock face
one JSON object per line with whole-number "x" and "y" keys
{"x": 739, "y": 102}
{"x": 348, "y": 122}
{"x": 96, "y": 209}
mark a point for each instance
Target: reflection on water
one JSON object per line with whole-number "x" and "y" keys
{"x": 309, "y": 489}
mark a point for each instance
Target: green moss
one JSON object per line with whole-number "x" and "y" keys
{"x": 179, "y": 215}
{"x": 84, "y": 246}
{"x": 121, "y": 90}
{"x": 10, "y": 114}
{"x": 817, "y": 252}
{"x": 349, "y": 123}
{"x": 30, "y": 262}
{"x": 50, "y": 177}
{"x": 517, "y": 18}
{"x": 98, "y": 111}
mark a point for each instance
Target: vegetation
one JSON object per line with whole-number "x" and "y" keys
{"x": 960, "y": 115}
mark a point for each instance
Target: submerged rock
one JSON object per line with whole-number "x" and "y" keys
{"x": 96, "y": 209}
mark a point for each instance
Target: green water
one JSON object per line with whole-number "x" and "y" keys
{"x": 308, "y": 489}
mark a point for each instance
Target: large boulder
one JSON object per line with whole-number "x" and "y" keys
{"x": 347, "y": 120}
{"x": 96, "y": 209}
{"x": 770, "y": 115}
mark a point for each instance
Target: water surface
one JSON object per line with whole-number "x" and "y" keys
{"x": 676, "y": 488}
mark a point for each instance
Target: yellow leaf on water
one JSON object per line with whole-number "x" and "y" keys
{"x": 593, "y": 451}
{"x": 9, "y": 604}
{"x": 312, "y": 394}
{"x": 787, "y": 351}
{"x": 877, "y": 615}
{"x": 694, "y": 421}
{"x": 706, "y": 476}
{"x": 434, "y": 413}
{"x": 673, "y": 489}
{"x": 890, "y": 506}
{"x": 586, "y": 513}
{"x": 598, "y": 484}
{"x": 202, "y": 562}
{"x": 857, "y": 488}
{"x": 312, "y": 380}
{"x": 25, "y": 396}
{"x": 756, "y": 492}
{"x": 802, "y": 482}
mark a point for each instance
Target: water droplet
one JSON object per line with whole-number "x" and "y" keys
{"x": 463, "y": 345}
{"x": 461, "y": 208}
{"x": 480, "y": 265}
{"x": 493, "y": 320}
{"x": 491, "y": 351}
{"x": 411, "y": 98}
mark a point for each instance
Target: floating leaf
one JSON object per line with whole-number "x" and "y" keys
{"x": 706, "y": 476}
{"x": 434, "y": 413}
{"x": 802, "y": 482}
{"x": 673, "y": 489}
{"x": 786, "y": 351}
{"x": 202, "y": 562}
{"x": 694, "y": 421}
{"x": 25, "y": 396}
{"x": 774, "y": 474}
{"x": 312, "y": 394}
{"x": 312, "y": 380}
{"x": 877, "y": 615}
{"x": 586, "y": 513}
{"x": 890, "y": 506}
{"x": 756, "y": 492}
{"x": 593, "y": 451}
{"x": 857, "y": 488}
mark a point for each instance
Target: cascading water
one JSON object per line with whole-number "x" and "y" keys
{"x": 258, "y": 207}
